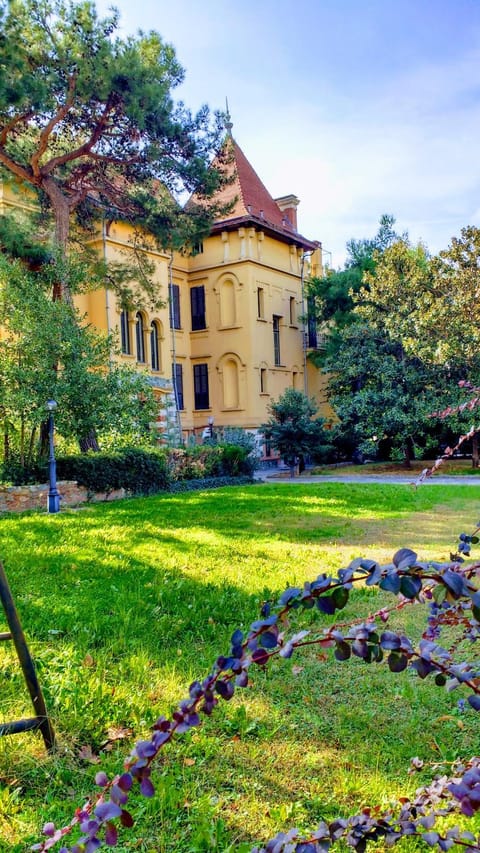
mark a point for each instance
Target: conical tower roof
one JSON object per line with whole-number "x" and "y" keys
{"x": 251, "y": 202}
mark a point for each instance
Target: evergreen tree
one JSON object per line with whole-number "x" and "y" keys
{"x": 292, "y": 428}
{"x": 88, "y": 124}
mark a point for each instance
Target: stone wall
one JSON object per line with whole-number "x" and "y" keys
{"x": 18, "y": 498}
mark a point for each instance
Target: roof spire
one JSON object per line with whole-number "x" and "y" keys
{"x": 228, "y": 121}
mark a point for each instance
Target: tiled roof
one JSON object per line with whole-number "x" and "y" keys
{"x": 252, "y": 197}
{"x": 251, "y": 200}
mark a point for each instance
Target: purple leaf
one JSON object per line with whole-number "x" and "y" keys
{"x": 125, "y": 782}
{"x": 117, "y": 795}
{"x": 107, "y": 811}
{"x": 111, "y": 835}
{"x": 242, "y": 679}
{"x": 225, "y": 689}
{"x": 145, "y": 749}
{"x": 404, "y": 558}
{"x": 146, "y": 788}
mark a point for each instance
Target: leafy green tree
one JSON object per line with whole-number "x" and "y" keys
{"x": 452, "y": 324}
{"x": 388, "y": 373}
{"x": 47, "y": 353}
{"x": 330, "y": 298}
{"x": 383, "y": 398}
{"x": 292, "y": 428}
{"x": 431, "y": 306}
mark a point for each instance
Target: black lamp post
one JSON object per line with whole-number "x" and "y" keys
{"x": 53, "y": 500}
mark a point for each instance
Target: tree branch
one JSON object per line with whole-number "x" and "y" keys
{"x": 47, "y": 130}
{"x": 85, "y": 148}
{"x": 16, "y": 169}
{"x": 12, "y": 124}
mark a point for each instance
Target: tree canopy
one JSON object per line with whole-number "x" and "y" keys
{"x": 47, "y": 353}
{"x": 408, "y": 336}
{"x": 331, "y": 297}
{"x": 87, "y": 121}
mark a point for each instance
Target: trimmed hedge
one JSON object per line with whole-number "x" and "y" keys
{"x": 146, "y": 472}
{"x": 139, "y": 472}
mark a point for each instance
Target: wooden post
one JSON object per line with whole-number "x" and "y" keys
{"x": 41, "y": 721}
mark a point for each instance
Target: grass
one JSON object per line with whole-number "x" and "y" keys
{"x": 124, "y": 604}
{"x": 454, "y": 467}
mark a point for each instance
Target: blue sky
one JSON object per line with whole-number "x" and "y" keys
{"x": 359, "y": 107}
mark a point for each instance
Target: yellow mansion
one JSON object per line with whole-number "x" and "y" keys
{"x": 231, "y": 336}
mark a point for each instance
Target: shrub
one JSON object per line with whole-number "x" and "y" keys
{"x": 193, "y": 462}
{"x": 236, "y": 460}
{"x": 139, "y": 472}
{"x": 13, "y": 471}
{"x": 205, "y": 461}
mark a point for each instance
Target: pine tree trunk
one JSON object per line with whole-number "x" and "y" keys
{"x": 6, "y": 442}
{"x": 475, "y": 454}
{"x": 31, "y": 445}
{"x": 61, "y": 211}
{"x": 408, "y": 453}
{"x": 89, "y": 442}
{"x": 43, "y": 448}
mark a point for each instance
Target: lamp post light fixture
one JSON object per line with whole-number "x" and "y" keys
{"x": 53, "y": 499}
{"x": 210, "y": 426}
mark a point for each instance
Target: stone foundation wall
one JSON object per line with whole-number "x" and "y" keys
{"x": 18, "y": 498}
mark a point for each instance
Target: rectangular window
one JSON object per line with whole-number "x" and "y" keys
{"x": 175, "y": 321}
{"x": 139, "y": 338}
{"x": 154, "y": 346}
{"x": 125, "y": 333}
{"x": 276, "y": 340}
{"x": 260, "y": 303}
{"x": 197, "y": 303}
{"x": 311, "y": 323}
{"x": 200, "y": 386}
{"x": 177, "y": 375}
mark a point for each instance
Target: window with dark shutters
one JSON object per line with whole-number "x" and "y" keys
{"x": 125, "y": 333}
{"x": 197, "y": 302}
{"x": 276, "y": 340}
{"x": 139, "y": 338}
{"x": 154, "y": 346}
{"x": 200, "y": 386}
{"x": 177, "y": 375}
{"x": 175, "y": 319}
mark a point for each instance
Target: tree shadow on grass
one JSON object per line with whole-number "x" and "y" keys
{"x": 123, "y": 613}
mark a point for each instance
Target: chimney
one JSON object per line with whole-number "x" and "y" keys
{"x": 288, "y": 205}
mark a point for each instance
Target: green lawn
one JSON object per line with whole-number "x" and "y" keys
{"x": 124, "y": 604}
{"x": 457, "y": 467}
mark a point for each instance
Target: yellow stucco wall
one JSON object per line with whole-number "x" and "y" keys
{"x": 251, "y": 280}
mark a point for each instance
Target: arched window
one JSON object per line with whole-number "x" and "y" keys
{"x": 227, "y": 303}
{"x": 125, "y": 333}
{"x": 155, "y": 354}
{"x": 140, "y": 337}
{"x": 230, "y": 384}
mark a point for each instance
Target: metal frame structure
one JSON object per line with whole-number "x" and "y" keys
{"x": 41, "y": 721}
